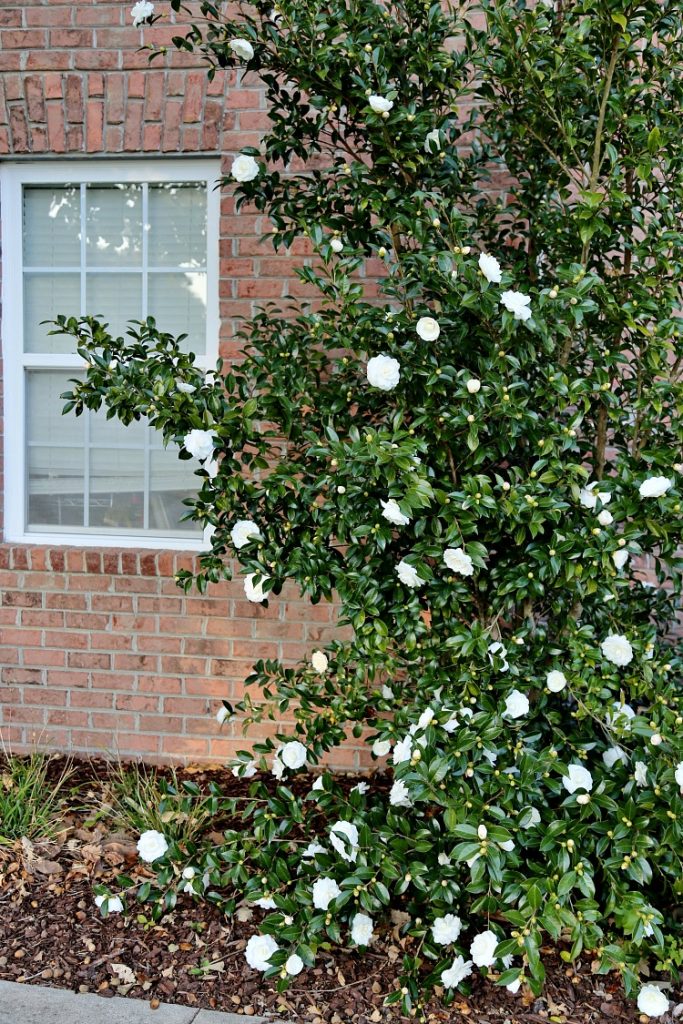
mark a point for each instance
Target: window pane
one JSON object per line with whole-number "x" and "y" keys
{"x": 114, "y": 228}
{"x": 44, "y": 421}
{"x": 177, "y": 225}
{"x": 178, "y": 301}
{"x": 106, "y": 433}
{"x": 114, "y": 298}
{"x": 52, "y": 225}
{"x": 46, "y": 295}
{"x": 170, "y": 481}
{"x": 55, "y": 487}
{"x": 117, "y": 497}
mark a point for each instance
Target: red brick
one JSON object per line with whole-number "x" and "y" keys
{"x": 33, "y": 39}
{"x": 35, "y": 102}
{"x": 10, "y": 18}
{"x": 47, "y": 17}
{"x": 74, "y": 98}
{"x": 154, "y": 95}
{"x": 22, "y": 676}
{"x": 51, "y": 60}
{"x": 70, "y": 38}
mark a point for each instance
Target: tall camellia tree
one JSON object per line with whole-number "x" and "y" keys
{"x": 481, "y": 467}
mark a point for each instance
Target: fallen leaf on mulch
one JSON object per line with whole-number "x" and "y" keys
{"x": 124, "y": 973}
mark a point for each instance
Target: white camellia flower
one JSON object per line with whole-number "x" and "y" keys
{"x": 425, "y": 719}
{"x": 577, "y": 777}
{"x": 473, "y": 385}
{"x": 189, "y": 873}
{"x": 266, "y": 903}
{"x": 408, "y": 574}
{"x": 152, "y": 845}
{"x": 391, "y": 511}
{"x": 655, "y": 487}
{"x": 184, "y": 387}
{"x": 678, "y": 775}
{"x": 432, "y": 141}
{"x": 259, "y": 950}
{"x": 620, "y": 716}
{"x": 294, "y": 965}
{"x": 427, "y": 328}
{"x": 223, "y": 715}
{"x": 516, "y": 704}
{"x": 245, "y": 770}
{"x": 141, "y": 12}
{"x": 242, "y": 48}
{"x": 452, "y": 724}
{"x": 498, "y": 650}
{"x": 380, "y": 104}
{"x": 483, "y": 948}
{"x": 457, "y": 972}
{"x": 311, "y": 850}
{"x": 605, "y": 518}
{"x": 199, "y": 443}
{"x": 254, "y": 591}
{"x": 244, "y": 531}
{"x": 211, "y": 467}
{"x": 112, "y": 904}
{"x": 446, "y": 930}
{"x": 589, "y": 497}
{"x": 403, "y": 750}
{"x": 620, "y": 558}
{"x": 556, "y": 681}
{"x": 319, "y": 661}
{"x": 612, "y": 755}
{"x": 336, "y": 244}
{"x": 361, "y": 930}
{"x": 381, "y": 748}
{"x": 344, "y": 839}
{"x": 361, "y": 788}
{"x": 293, "y": 755}
{"x": 517, "y": 303}
{"x": 318, "y": 785}
{"x": 640, "y": 773}
{"x": 617, "y": 649}
{"x": 399, "y": 795}
{"x": 458, "y": 561}
{"x": 324, "y": 891}
{"x": 652, "y": 1001}
{"x": 530, "y": 818}
{"x": 245, "y": 168}
{"x": 383, "y": 372}
{"x": 490, "y": 268}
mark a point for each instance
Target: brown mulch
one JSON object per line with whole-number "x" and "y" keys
{"x": 52, "y": 934}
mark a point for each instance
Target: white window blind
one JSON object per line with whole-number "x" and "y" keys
{"x": 119, "y": 246}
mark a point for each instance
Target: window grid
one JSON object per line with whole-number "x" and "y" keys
{"x": 13, "y": 180}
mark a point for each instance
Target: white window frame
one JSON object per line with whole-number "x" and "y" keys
{"x": 13, "y": 176}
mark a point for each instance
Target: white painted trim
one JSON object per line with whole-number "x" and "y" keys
{"x": 13, "y": 175}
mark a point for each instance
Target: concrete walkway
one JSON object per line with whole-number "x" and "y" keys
{"x": 30, "y": 1004}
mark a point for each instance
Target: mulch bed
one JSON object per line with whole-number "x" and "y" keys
{"x": 52, "y": 934}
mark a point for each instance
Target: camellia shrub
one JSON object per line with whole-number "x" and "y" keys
{"x": 476, "y": 454}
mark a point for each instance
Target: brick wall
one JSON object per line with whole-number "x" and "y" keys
{"x": 99, "y": 650}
